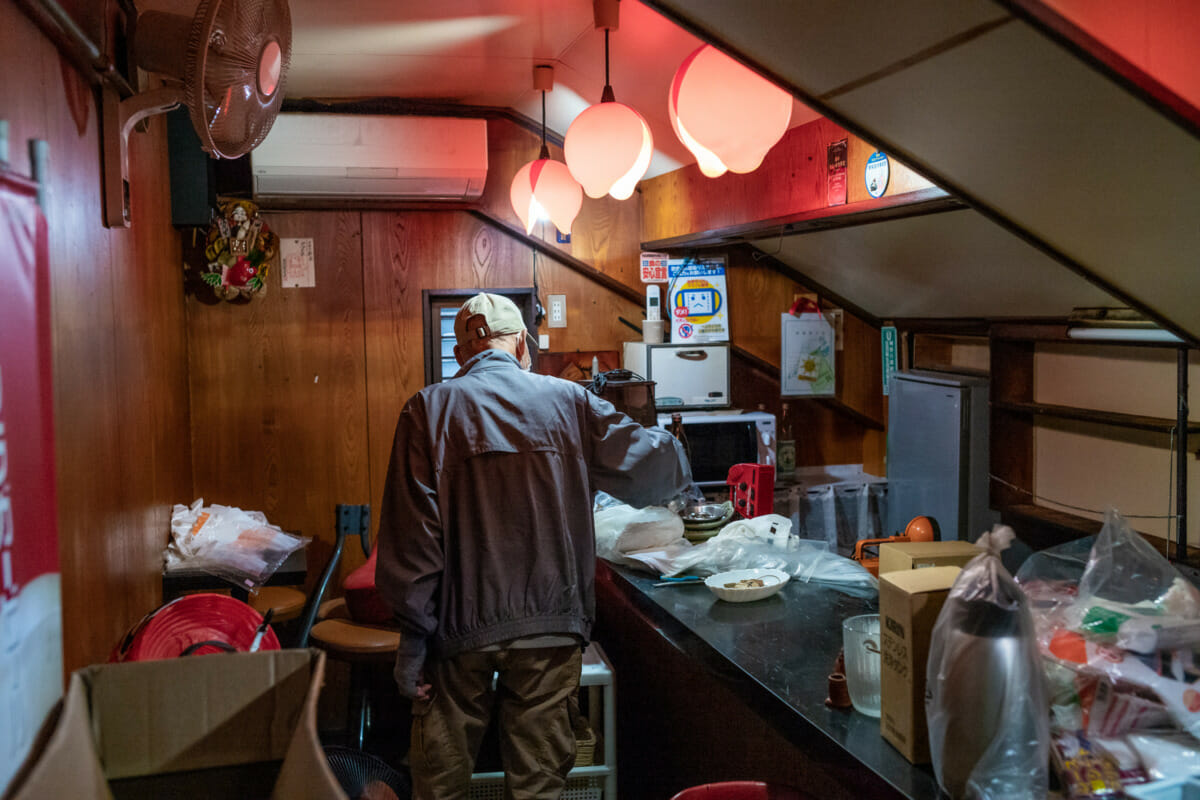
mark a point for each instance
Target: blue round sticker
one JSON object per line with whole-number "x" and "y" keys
{"x": 685, "y": 331}
{"x": 876, "y": 174}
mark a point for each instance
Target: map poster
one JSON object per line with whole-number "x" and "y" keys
{"x": 808, "y": 361}
{"x": 698, "y": 301}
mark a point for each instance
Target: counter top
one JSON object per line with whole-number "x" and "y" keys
{"x": 776, "y": 654}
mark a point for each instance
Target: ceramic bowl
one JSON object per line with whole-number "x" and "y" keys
{"x": 744, "y": 585}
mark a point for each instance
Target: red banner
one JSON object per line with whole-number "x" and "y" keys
{"x": 30, "y": 605}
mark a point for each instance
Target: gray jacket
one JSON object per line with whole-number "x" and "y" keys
{"x": 486, "y": 533}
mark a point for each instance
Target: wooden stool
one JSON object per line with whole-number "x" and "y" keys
{"x": 285, "y": 602}
{"x": 361, "y": 646}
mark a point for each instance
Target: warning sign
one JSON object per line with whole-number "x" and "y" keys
{"x": 698, "y": 301}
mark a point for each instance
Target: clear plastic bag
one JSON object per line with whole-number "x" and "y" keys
{"x": 986, "y": 701}
{"x": 1129, "y": 592}
{"x": 766, "y": 542}
{"x": 238, "y": 546}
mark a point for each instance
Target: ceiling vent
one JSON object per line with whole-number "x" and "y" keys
{"x": 355, "y": 157}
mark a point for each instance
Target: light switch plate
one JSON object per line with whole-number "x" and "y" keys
{"x": 556, "y": 315}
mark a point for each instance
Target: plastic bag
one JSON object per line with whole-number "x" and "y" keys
{"x": 1131, "y": 595}
{"x": 766, "y": 542}
{"x": 986, "y": 701}
{"x": 239, "y": 546}
{"x": 622, "y": 530}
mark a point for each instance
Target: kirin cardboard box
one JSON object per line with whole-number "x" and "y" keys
{"x": 909, "y": 602}
{"x": 223, "y": 725}
{"x": 895, "y": 556}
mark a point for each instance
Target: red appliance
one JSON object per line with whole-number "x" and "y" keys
{"x": 752, "y": 489}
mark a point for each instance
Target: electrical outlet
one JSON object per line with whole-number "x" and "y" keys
{"x": 557, "y": 315}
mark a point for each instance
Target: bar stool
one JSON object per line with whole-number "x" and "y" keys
{"x": 285, "y": 603}
{"x": 740, "y": 790}
{"x": 364, "y": 646}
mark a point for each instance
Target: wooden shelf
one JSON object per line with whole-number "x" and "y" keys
{"x": 1113, "y": 418}
{"x": 1041, "y": 527}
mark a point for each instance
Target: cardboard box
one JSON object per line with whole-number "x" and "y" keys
{"x": 909, "y": 603}
{"x": 895, "y": 556}
{"x": 186, "y": 728}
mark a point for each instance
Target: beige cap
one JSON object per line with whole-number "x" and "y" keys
{"x": 486, "y": 315}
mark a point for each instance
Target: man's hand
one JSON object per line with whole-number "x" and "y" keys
{"x": 424, "y": 692}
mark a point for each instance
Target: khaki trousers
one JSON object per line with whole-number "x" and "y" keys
{"x": 532, "y": 695}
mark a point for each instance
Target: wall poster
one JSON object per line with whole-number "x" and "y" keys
{"x": 698, "y": 301}
{"x": 808, "y": 361}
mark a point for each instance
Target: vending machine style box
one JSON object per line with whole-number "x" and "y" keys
{"x": 686, "y": 376}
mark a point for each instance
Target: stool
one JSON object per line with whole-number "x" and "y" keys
{"x": 360, "y": 645}
{"x": 740, "y": 790}
{"x": 286, "y": 603}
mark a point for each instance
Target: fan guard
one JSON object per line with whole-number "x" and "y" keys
{"x": 227, "y": 63}
{"x": 364, "y": 775}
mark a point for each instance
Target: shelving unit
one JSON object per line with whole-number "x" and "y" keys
{"x": 595, "y": 781}
{"x": 1015, "y": 411}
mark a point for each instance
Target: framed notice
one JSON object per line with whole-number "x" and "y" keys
{"x": 698, "y": 301}
{"x": 807, "y": 363}
{"x": 298, "y": 268}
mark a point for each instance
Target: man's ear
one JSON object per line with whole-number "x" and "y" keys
{"x": 458, "y": 355}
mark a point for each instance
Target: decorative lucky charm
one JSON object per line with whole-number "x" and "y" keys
{"x": 239, "y": 249}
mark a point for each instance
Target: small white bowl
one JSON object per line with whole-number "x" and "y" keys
{"x": 772, "y": 581}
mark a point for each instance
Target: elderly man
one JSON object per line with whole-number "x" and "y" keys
{"x": 487, "y": 551}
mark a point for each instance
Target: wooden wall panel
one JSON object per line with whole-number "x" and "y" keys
{"x": 791, "y": 180}
{"x": 405, "y": 253}
{"x": 120, "y": 400}
{"x": 278, "y": 390}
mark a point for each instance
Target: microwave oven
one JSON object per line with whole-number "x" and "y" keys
{"x": 717, "y": 440}
{"x": 685, "y": 376}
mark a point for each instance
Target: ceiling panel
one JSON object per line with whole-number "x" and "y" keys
{"x": 1074, "y": 159}
{"x": 821, "y": 45}
{"x": 952, "y": 264}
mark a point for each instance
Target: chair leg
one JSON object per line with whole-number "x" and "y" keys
{"x": 358, "y": 718}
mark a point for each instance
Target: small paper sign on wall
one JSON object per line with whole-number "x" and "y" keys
{"x": 808, "y": 357}
{"x": 296, "y": 262}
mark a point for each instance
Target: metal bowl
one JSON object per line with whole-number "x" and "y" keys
{"x": 705, "y": 512}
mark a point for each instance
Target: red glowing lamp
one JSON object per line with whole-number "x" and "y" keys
{"x": 544, "y": 189}
{"x": 726, "y": 114}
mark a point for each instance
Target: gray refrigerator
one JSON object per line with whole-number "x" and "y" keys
{"x": 937, "y": 453}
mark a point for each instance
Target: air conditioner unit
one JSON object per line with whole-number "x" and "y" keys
{"x": 361, "y": 157}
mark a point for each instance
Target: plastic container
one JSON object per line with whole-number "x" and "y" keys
{"x": 860, "y": 643}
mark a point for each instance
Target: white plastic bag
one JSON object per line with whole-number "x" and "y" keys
{"x": 986, "y": 701}
{"x": 239, "y": 546}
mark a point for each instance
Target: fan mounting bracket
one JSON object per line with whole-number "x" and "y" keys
{"x": 118, "y": 118}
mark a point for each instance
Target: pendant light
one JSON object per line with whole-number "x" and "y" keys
{"x": 728, "y": 115}
{"x": 608, "y": 146}
{"x": 544, "y": 189}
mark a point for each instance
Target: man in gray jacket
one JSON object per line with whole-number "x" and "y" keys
{"x": 487, "y": 551}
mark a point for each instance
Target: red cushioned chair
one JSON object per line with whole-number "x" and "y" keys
{"x": 741, "y": 790}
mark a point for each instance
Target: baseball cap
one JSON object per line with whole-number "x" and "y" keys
{"x": 486, "y": 315}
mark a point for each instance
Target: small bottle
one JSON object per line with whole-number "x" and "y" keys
{"x": 785, "y": 447}
{"x": 677, "y": 431}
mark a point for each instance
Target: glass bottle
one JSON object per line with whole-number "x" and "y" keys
{"x": 785, "y": 447}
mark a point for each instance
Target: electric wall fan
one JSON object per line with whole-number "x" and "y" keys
{"x": 227, "y": 64}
